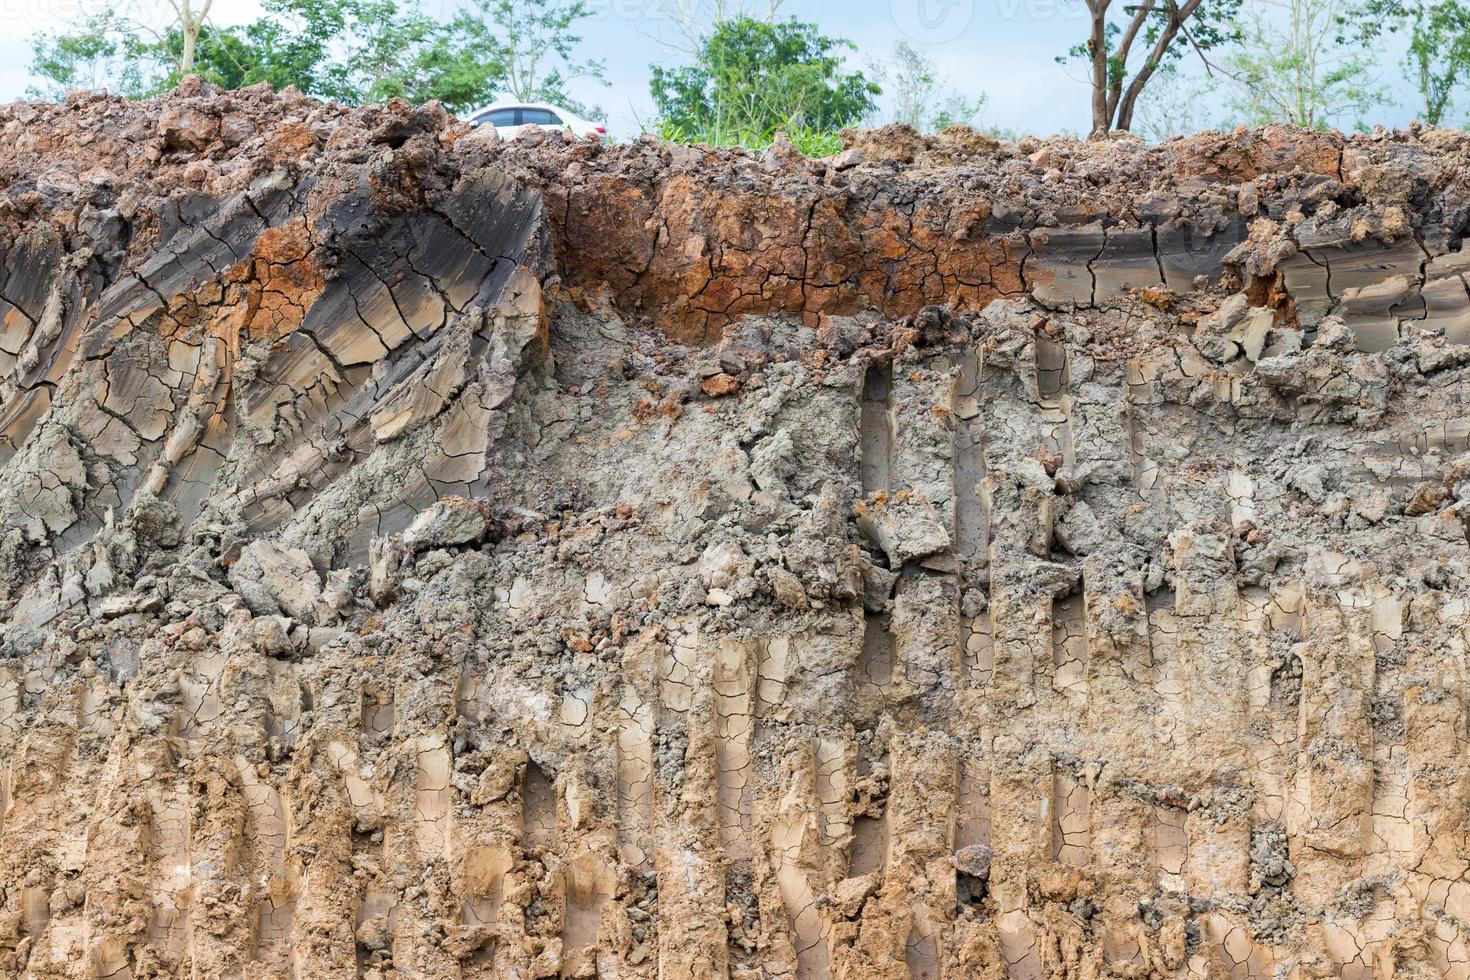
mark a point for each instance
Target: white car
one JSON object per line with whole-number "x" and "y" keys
{"x": 511, "y": 119}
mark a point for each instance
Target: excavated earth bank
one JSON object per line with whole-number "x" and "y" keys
{"x": 428, "y": 557}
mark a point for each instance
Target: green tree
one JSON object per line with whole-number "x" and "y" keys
{"x": 1129, "y": 43}
{"x": 122, "y": 47}
{"x": 84, "y": 58}
{"x": 292, "y": 45}
{"x": 356, "y": 51}
{"x": 1288, "y": 68}
{"x": 693, "y": 20}
{"x": 1438, "y": 59}
{"x": 537, "y": 43}
{"x": 392, "y": 52}
{"x": 752, "y": 77}
{"x": 921, "y": 97}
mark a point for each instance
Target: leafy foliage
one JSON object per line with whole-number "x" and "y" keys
{"x": 390, "y": 52}
{"x": 81, "y": 59}
{"x": 355, "y": 51}
{"x": 537, "y": 48}
{"x": 1289, "y": 70}
{"x": 752, "y": 77}
{"x": 921, "y": 98}
{"x": 1438, "y": 59}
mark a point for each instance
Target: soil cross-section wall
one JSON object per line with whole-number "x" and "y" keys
{"x": 424, "y": 556}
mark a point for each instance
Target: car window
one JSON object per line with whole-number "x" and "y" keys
{"x": 500, "y": 117}
{"x": 539, "y": 117}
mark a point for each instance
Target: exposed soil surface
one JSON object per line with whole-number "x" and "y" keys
{"x": 428, "y": 556}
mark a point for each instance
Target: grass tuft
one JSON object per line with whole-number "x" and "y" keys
{"x": 808, "y": 141}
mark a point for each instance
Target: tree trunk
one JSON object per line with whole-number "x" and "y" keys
{"x": 190, "y": 24}
{"x": 1170, "y": 31}
{"x": 1135, "y": 88}
{"x": 1436, "y": 97}
{"x": 1097, "y": 46}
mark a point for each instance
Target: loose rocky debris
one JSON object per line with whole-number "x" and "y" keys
{"x": 428, "y": 556}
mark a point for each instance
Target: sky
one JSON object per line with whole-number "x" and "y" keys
{"x": 1005, "y": 49}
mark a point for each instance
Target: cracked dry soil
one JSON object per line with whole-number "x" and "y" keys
{"x": 428, "y": 557}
